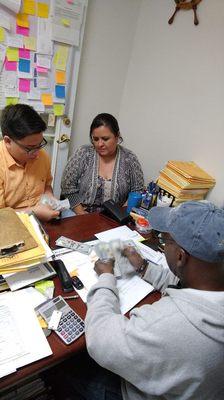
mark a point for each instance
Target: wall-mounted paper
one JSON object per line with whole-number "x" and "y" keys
{"x": 10, "y": 65}
{"x": 11, "y": 100}
{"x": 60, "y": 58}
{"x": 5, "y": 22}
{"x": 22, "y": 20}
{"x": 42, "y": 10}
{"x": 2, "y": 34}
{"x": 12, "y": 54}
{"x": 44, "y": 42}
{"x": 30, "y": 43}
{"x": 60, "y": 77}
{"x": 42, "y": 70}
{"x": 29, "y": 7}
{"x": 13, "y": 5}
{"x": 22, "y": 31}
{"x": 24, "y": 85}
{"x": 24, "y": 53}
{"x": 46, "y": 99}
{"x": 24, "y": 65}
{"x": 60, "y": 91}
{"x": 58, "y": 109}
{"x": 64, "y": 29}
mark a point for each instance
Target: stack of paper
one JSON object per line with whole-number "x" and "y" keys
{"x": 22, "y": 260}
{"x": 185, "y": 180}
{"x": 19, "y": 331}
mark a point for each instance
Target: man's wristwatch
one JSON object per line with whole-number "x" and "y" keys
{"x": 143, "y": 267}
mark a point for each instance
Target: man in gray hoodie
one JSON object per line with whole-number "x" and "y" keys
{"x": 174, "y": 348}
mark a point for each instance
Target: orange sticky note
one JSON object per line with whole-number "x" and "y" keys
{"x": 22, "y": 20}
{"x": 60, "y": 77}
{"x": 29, "y": 7}
{"x": 42, "y": 10}
{"x": 47, "y": 99}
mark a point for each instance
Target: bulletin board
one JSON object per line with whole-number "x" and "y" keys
{"x": 37, "y": 43}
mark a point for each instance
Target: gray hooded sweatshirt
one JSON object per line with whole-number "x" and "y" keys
{"x": 172, "y": 349}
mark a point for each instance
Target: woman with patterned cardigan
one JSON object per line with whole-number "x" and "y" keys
{"x": 101, "y": 171}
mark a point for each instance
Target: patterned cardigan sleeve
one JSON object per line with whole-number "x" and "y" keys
{"x": 70, "y": 184}
{"x": 137, "y": 178}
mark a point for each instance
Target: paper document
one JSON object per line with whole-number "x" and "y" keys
{"x": 67, "y": 21}
{"x": 155, "y": 256}
{"x": 33, "y": 274}
{"x": 131, "y": 290}
{"x": 122, "y": 233}
{"x": 19, "y": 331}
{"x": 13, "y": 5}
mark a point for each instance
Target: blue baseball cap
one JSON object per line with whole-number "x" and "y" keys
{"x": 196, "y": 226}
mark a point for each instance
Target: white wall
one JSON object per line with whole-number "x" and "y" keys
{"x": 165, "y": 83}
{"x": 108, "y": 40}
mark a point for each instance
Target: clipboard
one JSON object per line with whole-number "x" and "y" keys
{"x": 14, "y": 236}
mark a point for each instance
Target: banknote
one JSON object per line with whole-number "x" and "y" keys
{"x": 73, "y": 245}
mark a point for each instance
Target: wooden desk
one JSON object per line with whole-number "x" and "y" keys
{"x": 78, "y": 228}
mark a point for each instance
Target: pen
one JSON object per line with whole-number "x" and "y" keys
{"x": 71, "y": 297}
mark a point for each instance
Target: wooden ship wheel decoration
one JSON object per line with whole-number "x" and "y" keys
{"x": 186, "y": 5}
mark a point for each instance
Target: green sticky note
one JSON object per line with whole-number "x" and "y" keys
{"x": 58, "y": 109}
{"x": 45, "y": 287}
{"x": 2, "y": 34}
{"x": 12, "y": 100}
{"x": 12, "y": 54}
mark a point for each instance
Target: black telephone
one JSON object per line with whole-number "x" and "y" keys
{"x": 112, "y": 210}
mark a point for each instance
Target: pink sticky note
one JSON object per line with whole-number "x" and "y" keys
{"x": 24, "y": 53}
{"x": 24, "y": 85}
{"x": 42, "y": 70}
{"x": 10, "y": 65}
{"x": 22, "y": 31}
{"x": 70, "y": 1}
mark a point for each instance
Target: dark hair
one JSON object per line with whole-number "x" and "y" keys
{"x": 20, "y": 120}
{"x": 107, "y": 120}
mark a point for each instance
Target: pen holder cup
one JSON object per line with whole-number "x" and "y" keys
{"x": 134, "y": 200}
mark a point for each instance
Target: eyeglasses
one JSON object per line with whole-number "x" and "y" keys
{"x": 31, "y": 150}
{"x": 164, "y": 240}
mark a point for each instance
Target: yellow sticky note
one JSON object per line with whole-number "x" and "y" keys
{"x": 60, "y": 58}
{"x": 30, "y": 43}
{"x": 22, "y": 20}
{"x": 12, "y": 100}
{"x": 58, "y": 109}
{"x": 42, "y": 10}
{"x": 47, "y": 99}
{"x": 12, "y": 54}
{"x": 65, "y": 22}
{"x": 29, "y": 7}
{"x": 2, "y": 34}
{"x": 60, "y": 77}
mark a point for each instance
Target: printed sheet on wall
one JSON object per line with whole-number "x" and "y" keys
{"x": 37, "y": 39}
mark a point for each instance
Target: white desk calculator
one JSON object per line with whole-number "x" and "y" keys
{"x": 71, "y": 325}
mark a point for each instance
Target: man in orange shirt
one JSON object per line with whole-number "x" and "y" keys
{"x": 24, "y": 166}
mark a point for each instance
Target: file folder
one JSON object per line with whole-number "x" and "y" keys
{"x": 14, "y": 236}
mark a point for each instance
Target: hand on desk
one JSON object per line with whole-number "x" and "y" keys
{"x": 80, "y": 210}
{"x": 102, "y": 267}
